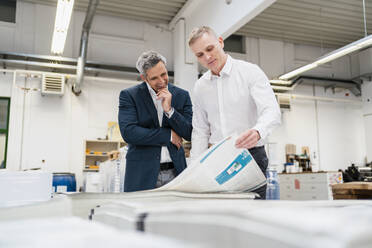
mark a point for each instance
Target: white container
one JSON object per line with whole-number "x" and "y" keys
{"x": 93, "y": 182}
{"x": 24, "y": 187}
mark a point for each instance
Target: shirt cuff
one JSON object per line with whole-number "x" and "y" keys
{"x": 170, "y": 113}
{"x": 261, "y": 131}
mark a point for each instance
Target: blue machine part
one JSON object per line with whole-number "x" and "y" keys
{"x": 234, "y": 168}
{"x": 64, "y": 182}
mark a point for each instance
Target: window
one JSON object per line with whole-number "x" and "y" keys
{"x": 235, "y": 43}
{"x": 4, "y": 127}
{"x": 8, "y": 10}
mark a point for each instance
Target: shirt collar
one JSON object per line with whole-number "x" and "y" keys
{"x": 226, "y": 70}
{"x": 151, "y": 90}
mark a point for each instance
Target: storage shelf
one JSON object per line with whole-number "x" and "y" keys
{"x": 90, "y": 170}
{"x": 102, "y": 141}
{"x": 99, "y": 146}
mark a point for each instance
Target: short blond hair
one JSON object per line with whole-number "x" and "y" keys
{"x": 196, "y": 33}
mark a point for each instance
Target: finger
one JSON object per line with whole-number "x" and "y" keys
{"x": 249, "y": 139}
{"x": 163, "y": 91}
{"x": 248, "y": 145}
{"x": 252, "y": 143}
{"x": 160, "y": 95}
{"x": 240, "y": 139}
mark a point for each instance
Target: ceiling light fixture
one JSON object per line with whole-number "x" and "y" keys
{"x": 352, "y": 47}
{"x": 63, "y": 17}
{"x": 280, "y": 82}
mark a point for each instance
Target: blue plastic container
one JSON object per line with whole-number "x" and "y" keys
{"x": 64, "y": 182}
{"x": 272, "y": 190}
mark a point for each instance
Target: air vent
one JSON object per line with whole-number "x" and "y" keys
{"x": 284, "y": 101}
{"x": 53, "y": 84}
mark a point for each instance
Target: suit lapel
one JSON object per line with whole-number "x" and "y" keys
{"x": 145, "y": 94}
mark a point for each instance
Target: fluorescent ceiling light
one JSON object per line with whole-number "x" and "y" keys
{"x": 63, "y": 17}
{"x": 281, "y": 82}
{"x": 352, "y": 47}
{"x": 298, "y": 71}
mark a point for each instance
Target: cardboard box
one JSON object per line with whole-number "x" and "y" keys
{"x": 290, "y": 149}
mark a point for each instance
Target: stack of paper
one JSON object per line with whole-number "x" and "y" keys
{"x": 24, "y": 187}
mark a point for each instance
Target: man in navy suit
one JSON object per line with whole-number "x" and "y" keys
{"x": 154, "y": 116}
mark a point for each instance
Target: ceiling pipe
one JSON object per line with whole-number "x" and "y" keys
{"x": 43, "y": 63}
{"x": 320, "y": 98}
{"x": 76, "y": 88}
{"x": 353, "y": 86}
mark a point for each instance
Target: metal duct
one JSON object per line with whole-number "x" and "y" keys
{"x": 64, "y": 65}
{"x": 76, "y": 88}
{"x": 353, "y": 86}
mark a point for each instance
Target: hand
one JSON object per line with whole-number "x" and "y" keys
{"x": 176, "y": 139}
{"x": 166, "y": 98}
{"x": 248, "y": 139}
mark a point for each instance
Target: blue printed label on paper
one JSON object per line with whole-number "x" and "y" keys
{"x": 234, "y": 168}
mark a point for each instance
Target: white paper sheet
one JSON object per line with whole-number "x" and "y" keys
{"x": 222, "y": 168}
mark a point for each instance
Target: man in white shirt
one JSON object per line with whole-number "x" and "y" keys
{"x": 154, "y": 116}
{"x": 232, "y": 97}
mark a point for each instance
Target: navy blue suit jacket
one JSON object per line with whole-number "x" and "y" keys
{"x": 139, "y": 126}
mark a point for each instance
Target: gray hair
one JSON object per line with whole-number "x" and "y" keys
{"x": 149, "y": 59}
{"x": 196, "y": 33}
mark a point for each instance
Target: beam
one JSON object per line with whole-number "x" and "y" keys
{"x": 224, "y": 16}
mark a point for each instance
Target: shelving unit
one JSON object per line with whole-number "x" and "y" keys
{"x": 97, "y": 151}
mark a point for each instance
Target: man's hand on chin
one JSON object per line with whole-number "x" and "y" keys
{"x": 166, "y": 97}
{"x": 248, "y": 139}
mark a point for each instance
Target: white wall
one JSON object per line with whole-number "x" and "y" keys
{"x": 278, "y": 57}
{"x": 112, "y": 40}
{"x": 333, "y": 130}
{"x": 186, "y": 73}
{"x": 6, "y": 84}
{"x": 55, "y": 127}
{"x": 5, "y": 91}
{"x": 367, "y": 115}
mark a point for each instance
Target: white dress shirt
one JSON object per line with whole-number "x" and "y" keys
{"x": 241, "y": 98}
{"x": 164, "y": 156}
